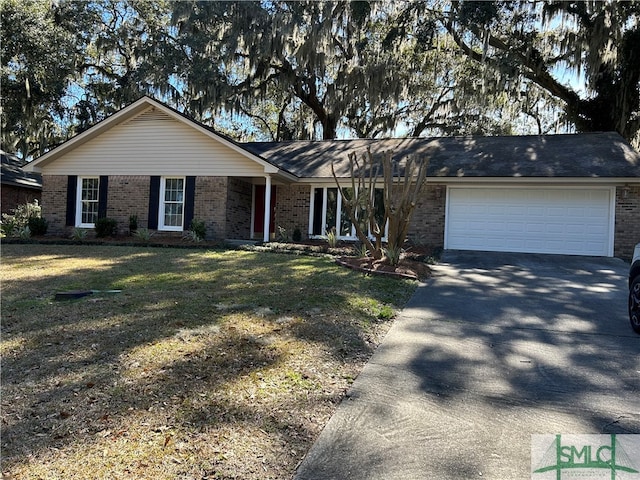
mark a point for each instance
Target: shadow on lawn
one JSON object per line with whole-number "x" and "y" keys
{"x": 67, "y": 376}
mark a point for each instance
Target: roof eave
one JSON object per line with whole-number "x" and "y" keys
{"x": 501, "y": 180}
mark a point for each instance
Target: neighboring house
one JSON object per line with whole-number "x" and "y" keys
{"x": 18, "y": 187}
{"x": 569, "y": 194}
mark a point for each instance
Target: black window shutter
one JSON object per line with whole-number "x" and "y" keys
{"x": 103, "y": 188}
{"x": 72, "y": 192}
{"x": 189, "y": 201}
{"x": 154, "y": 202}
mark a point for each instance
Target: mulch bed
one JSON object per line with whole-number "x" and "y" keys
{"x": 407, "y": 268}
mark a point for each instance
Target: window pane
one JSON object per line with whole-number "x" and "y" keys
{"x": 379, "y": 206}
{"x": 318, "y": 196}
{"x": 89, "y": 200}
{"x": 90, "y": 189}
{"x": 173, "y": 202}
{"x": 345, "y": 221}
{"x": 332, "y": 206}
{"x": 173, "y": 215}
{"x": 173, "y": 190}
{"x": 89, "y": 212}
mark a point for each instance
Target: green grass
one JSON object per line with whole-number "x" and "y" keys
{"x": 208, "y": 364}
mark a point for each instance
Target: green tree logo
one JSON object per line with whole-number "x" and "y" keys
{"x": 608, "y": 455}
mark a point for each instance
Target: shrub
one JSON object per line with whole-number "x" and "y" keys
{"x": 79, "y": 234}
{"x": 9, "y": 226}
{"x": 393, "y": 254}
{"x": 332, "y": 238}
{"x": 283, "y": 236}
{"x": 297, "y": 235}
{"x": 360, "y": 250}
{"x": 25, "y": 233}
{"x": 106, "y": 227}
{"x": 38, "y": 226}
{"x": 133, "y": 224}
{"x": 143, "y": 234}
{"x": 198, "y": 230}
{"x": 15, "y": 224}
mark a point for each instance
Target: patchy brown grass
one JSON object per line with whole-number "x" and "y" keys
{"x": 208, "y": 364}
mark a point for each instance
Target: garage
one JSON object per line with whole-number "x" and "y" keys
{"x": 562, "y": 220}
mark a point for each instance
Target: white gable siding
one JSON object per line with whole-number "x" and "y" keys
{"x": 153, "y": 143}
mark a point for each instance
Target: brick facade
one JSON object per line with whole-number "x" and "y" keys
{"x": 427, "y": 224}
{"x": 12, "y": 196}
{"x": 54, "y": 203}
{"x": 225, "y": 206}
{"x": 210, "y": 204}
{"x": 627, "y": 228}
{"x": 238, "y": 217}
{"x": 292, "y": 209}
{"x": 128, "y": 195}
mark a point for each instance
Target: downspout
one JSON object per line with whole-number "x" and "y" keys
{"x": 267, "y": 209}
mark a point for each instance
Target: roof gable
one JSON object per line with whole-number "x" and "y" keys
{"x": 147, "y": 109}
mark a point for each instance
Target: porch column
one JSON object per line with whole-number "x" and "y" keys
{"x": 267, "y": 210}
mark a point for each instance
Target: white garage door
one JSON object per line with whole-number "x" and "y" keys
{"x": 536, "y": 220}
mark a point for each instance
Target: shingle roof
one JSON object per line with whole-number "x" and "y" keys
{"x": 595, "y": 155}
{"x": 13, "y": 174}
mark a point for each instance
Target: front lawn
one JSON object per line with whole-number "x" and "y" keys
{"x": 208, "y": 364}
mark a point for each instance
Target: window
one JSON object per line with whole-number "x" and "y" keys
{"x": 171, "y": 215}
{"x": 87, "y": 198}
{"x": 327, "y": 212}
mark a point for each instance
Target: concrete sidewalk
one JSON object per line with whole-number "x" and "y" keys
{"x": 492, "y": 349}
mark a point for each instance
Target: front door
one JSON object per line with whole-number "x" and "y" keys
{"x": 258, "y": 216}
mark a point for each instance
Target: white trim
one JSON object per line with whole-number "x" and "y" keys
{"x": 610, "y": 189}
{"x": 253, "y": 211}
{"x": 612, "y": 220}
{"x": 78, "y": 221}
{"x": 312, "y": 207}
{"x": 267, "y": 210}
{"x": 161, "y": 207}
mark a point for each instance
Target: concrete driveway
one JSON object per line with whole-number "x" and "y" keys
{"x": 492, "y": 349}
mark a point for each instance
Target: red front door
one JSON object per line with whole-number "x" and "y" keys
{"x": 258, "y": 217}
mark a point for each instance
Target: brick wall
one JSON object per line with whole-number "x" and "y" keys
{"x": 128, "y": 195}
{"x": 627, "y": 229}
{"x": 54, "y": 203}
{"x": 225, "y": 205}
{"x": 427, "y": 224}
{"x": 292, "y": 209}
{"x": 210, "y": 205}
{"x": 12, "y": 196}
{"x": 238, "y": 209}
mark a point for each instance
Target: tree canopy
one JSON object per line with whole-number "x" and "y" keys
{"x": 541, "y": 43}
{"x": 282, "y": 70}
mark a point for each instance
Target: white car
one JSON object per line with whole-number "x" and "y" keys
{"x": 634, "y": 290}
